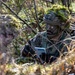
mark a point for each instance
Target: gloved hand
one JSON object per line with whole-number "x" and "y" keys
{"x": 27, "y": 51}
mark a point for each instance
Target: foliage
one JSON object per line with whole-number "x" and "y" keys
{"x": 73, "y": 5}
{"x": 7, "y": 34}
{"x": 15, "y": 22}
{"x": 25, "y": 10}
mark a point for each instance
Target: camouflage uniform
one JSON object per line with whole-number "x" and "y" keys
{"x": 52, "y": 47}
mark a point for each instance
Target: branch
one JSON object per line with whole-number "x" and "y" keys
{"x": 17, "y": 16}
{"x": 36, "y": 16}
{"x": 21, "y": 6}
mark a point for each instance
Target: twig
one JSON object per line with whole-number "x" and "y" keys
{"x": 36, "y": 16}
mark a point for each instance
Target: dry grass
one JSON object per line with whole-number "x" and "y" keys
{"x": 63, "y": 66}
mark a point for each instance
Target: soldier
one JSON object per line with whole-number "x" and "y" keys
{"x": 50, "y": 44}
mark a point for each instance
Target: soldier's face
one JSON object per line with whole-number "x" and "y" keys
{"x": 52, "y": 30}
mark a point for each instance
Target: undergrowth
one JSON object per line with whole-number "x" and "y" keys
{"x": 63, "y": 66}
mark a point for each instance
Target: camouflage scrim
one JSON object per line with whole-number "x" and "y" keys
{"x": 58, "y": 15}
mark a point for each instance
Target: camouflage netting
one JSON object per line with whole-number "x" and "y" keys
{"x": 63, "y": 16}
{"x": 60, "y": 10}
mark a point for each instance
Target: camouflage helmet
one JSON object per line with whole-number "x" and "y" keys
{"x": 51, "y": 19}
{"x": 57, "y": 15}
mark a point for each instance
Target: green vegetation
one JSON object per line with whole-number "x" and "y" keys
{"x": 28, "y": 21}
{"x": 73, "y": 5}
